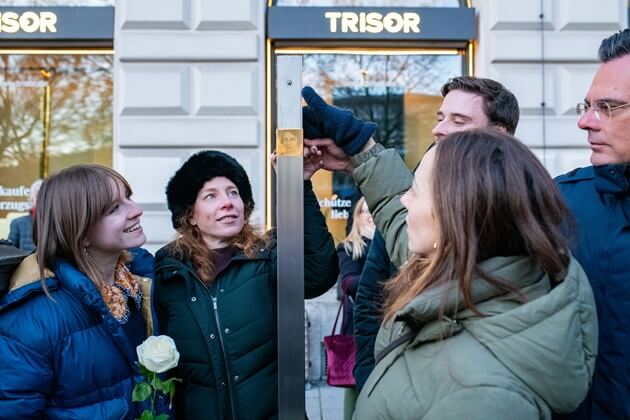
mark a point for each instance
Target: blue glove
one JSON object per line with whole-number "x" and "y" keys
{"x": 322, "y": 120}
{"x": 310, "y": 125}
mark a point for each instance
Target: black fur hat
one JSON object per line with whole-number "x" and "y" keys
{"x": 183, "y": 187}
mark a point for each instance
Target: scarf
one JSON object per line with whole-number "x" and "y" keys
{"x": 116, "y": 296}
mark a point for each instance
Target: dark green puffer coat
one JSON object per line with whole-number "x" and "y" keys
{"x": 226, "y": 333}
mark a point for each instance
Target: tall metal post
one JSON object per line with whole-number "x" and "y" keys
{"x": 290, "y": 225}
{"x": 44, "y": 159}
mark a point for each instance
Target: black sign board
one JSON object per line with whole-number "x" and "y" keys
{"x": 35, "y": 23}
{"x": 371, "y": 23}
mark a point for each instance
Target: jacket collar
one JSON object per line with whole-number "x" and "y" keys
{"x": 166, "y": 259}
{"x": 25, "y": 283}
{"x": 424, "y": 309}
{"x": 612, "y": 179}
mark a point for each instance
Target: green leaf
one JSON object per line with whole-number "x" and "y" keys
{"x": 171, "y": 396}
{"x": 146, "y": 415}
{"x": 141, "y": 391}
{"x": 168, "y": 386}
{"x": 156, "y": 383}
{"x": 162, "y": 417}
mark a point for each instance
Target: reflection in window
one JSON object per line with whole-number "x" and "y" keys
{"x": 370, "y": 3}
{"x": 55, "y": 111}
{"x": 401, "y": 93}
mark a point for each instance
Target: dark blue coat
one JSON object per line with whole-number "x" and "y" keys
{"x": 67, "y": 358}
{"x": 599, "y": 198}
{"x": 368, "y": 306}
{"x": 350, "y": 273}
{"x": 21, "y": 233}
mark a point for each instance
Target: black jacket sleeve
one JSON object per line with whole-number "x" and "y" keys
{"x": 320, "y": 259}
{"x": 368, "y": 307}
{"x": 350, "y": 271}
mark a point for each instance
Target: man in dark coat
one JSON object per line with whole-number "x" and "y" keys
{"x": 599, "y": 196}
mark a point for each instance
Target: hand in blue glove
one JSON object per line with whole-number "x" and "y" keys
{"x": 322, "y": 120}
{"x": 310, "y": 124}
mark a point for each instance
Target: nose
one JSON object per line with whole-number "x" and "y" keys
{"x": 404, "y": 200}
{"x": 135, "y": 210}
{"x": 589, "y": 121}
{"x": 226, "y": 203}
{"x": 439, "y": 130}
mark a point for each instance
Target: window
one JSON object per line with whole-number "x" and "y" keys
{"x": 55, "y": 111}
{"x": 400, "y": 92}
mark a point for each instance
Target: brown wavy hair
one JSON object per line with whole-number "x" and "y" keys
{"x": 491, "y": 197}
{"x": 191, "y": 246}
{"x": 68, "y": 204}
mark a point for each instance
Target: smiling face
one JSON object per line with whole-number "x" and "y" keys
{"x": 218, "y": 212}
{"x": 609, "y": 138}
{"x": 119, "y": 229}
{"x": 418, "y": 200}
{"x": 460, "y": 110}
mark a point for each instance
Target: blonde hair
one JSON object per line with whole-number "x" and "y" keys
{"x": 69, "y": 203}
{"x": 354, "y": 244}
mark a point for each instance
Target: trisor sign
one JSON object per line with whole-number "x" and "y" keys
{"x": 29, "y": 22}
{"x": 373, "y": 22}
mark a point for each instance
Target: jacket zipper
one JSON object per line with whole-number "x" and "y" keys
{"x": 227, "y": 368}
{"x": 216, "y": 317}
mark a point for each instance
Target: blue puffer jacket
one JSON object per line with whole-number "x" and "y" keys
{"x": 67, "y": 358}
{"x": 599, "y": 198}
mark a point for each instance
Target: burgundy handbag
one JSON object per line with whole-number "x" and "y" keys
{"x": 340, "y": 356}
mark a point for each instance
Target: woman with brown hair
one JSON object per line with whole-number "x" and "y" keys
{"x": 75, "y": 313}
{"x": 215, "y": 291}
{"x": 491, "y": 317}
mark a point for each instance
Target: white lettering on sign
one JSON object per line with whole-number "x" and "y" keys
{"x": 373, "y": 22}
{"x": 335, "y": 202}
{"x": 337, "y": 207}
{"x": 339, "y": 214}
{"x": 29, "y": 22}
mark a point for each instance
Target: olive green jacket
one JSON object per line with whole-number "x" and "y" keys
{"x": 519, "y": 361}
{"x": 382, "y": 194}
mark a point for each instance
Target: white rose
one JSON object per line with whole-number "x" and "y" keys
{"x": 158, "y": 354}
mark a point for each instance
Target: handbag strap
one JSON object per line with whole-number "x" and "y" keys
{"x": 341, "y": 305}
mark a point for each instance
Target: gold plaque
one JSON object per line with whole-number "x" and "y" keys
{"x": 290, "y": 141}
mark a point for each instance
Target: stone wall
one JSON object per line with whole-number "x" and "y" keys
{"x": 547, "y": 57}
{"x": 189, "y": 75}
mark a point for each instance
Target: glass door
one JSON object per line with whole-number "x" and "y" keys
{"x": 397, "y": 89}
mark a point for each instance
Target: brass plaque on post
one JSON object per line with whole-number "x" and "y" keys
{"x": 290, "y": 141}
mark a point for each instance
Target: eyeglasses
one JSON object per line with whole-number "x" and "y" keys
{"x": 603, "y": 110}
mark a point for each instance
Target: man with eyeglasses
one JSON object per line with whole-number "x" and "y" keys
{"x": 599, "y": 196}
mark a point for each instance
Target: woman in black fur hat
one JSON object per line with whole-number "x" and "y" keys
{"x": 215, "y": 290}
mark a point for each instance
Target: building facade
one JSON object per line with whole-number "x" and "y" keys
{"x": 177, "y": 76}
{"x": 195, "y": 74}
